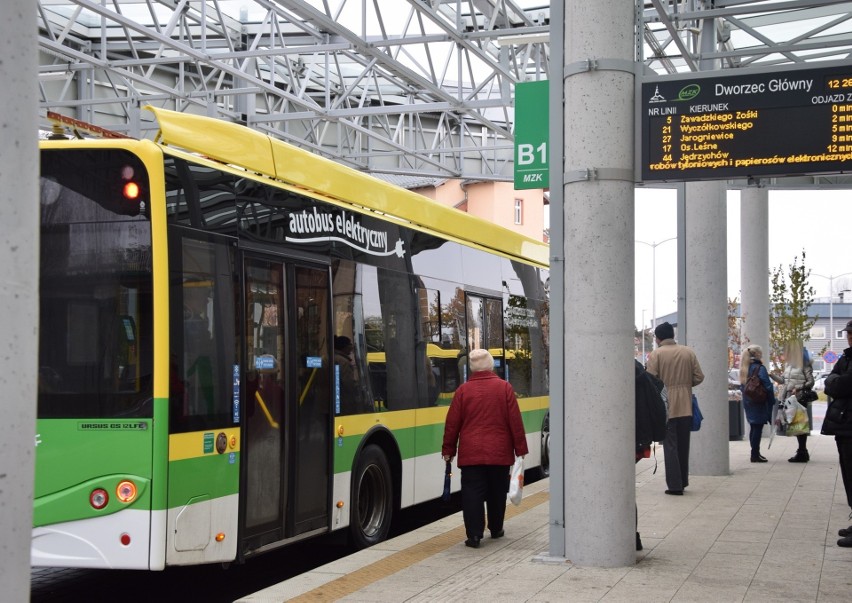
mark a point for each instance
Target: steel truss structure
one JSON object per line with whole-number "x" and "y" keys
{"x": 408, "y": 87}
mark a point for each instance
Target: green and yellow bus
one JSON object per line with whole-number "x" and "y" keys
{"x": 191, "y": 405}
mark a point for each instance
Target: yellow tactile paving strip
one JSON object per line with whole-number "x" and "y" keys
{"x": 355, "y": 581}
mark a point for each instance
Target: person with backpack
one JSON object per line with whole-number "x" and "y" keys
{"x": 758, "y": 401}
{"x": 650, "y": 419}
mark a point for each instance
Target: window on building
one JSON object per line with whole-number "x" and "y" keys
{"x": 519, "y": 211}
{"x": 817, "y": 333}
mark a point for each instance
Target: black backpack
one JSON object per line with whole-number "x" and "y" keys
{"x": 651, "y": 408}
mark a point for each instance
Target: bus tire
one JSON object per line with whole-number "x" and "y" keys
{"x": 543, "y": 469}
{"x": 372, "y": 498}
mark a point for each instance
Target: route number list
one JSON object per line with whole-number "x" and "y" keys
{"x": 747, "y": 126}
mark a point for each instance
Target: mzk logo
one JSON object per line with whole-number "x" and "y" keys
{"x": 315, "y": 226}
{"x": 689, "y": 92}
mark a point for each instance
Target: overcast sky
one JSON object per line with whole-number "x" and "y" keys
{"x": 815, "y": 221}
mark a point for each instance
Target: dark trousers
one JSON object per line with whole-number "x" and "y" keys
{"x": 754, "y": 435}
{"x": 484, "y": 486}
{"x": 844, "y": 451}
{"x": 676, "y": 451}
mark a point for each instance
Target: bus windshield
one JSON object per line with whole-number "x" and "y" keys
{"x": 95, "y": 333}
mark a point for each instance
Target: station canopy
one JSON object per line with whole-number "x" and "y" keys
{"x": 405, "y": 87}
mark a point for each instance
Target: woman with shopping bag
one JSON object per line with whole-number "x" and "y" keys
{"x": 799, "y": 382}
{"x": 484, "y": 423}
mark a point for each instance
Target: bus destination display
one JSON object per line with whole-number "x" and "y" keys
{"x": 765, "y": 124}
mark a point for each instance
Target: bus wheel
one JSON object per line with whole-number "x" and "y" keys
{"x": 372, "y": 498}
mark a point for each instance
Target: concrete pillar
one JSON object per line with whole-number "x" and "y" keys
{"x": 705, "y": 231}
{"x": 754, "y": 266}
{"x": 754, "y": 272}
{"x": 703, "y": 303}
{"x": 556, "y": 537}
{"x": 598, "y": 293}
{"x": 19, "y": 218}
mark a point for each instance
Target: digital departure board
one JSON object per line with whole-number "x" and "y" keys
{"x": 784, "y": 122}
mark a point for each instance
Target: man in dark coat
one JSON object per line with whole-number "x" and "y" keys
{"x": 650, "y": 420}
{"x": 484, "y": 422}
{"x": 838, "y": 385}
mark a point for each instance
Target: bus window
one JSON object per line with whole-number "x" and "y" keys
{"x": 526, "y": 329}
{"x": 485, "y": 328}
{"x": 391, "y": 333}
{"x": 96, "y": 302}
{"x": 430, "y": 313}
{"x": 202, "y": 333}
{"x": 374, "y": 336}
{"x": 354, "y": 389}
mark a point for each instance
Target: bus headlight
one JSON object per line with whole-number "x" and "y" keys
{"x": 126, "y": 491}
{"x": 98, "y": 498}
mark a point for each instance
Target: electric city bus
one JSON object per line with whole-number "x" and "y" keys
{"x": 191, "y": 406}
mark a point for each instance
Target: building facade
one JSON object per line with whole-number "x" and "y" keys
{"x": 524, "y": 211}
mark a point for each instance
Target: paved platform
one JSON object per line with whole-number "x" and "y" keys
{"x": 767, "y": 532}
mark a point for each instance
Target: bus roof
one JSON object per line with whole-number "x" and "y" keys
{"x": 253, "y": 151}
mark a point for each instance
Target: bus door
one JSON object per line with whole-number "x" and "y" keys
{"x": 287, "y": 401}
{"x": 203, "y": 420}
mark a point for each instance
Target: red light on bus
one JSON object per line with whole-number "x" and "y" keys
{"x": 126, "y": 491}
{"x": 98, "y": 498}
{"x": 130, "y": 190}
{"x": 124, "y": 539}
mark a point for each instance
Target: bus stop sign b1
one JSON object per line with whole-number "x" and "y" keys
{"x": 532, "y": 135}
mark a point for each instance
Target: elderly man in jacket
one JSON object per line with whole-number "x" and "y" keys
{"x": 677, "y": 366}
{"x": 485, "y": 422}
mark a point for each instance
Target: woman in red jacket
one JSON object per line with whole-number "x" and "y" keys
{"x": 485, "y": 422}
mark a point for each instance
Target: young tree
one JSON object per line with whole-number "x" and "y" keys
{"x": 790, "y": 298}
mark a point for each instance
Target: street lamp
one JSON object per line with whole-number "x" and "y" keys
{"x": 653, "y": 247}
{"x": 831, "y": 305}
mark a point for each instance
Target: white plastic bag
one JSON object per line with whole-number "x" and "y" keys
{"x": 516, "y": 481}
{"x": 790, "y": 406}
{"x": 797, "y": 417}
